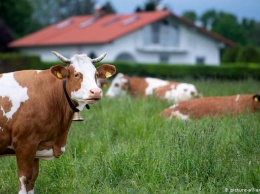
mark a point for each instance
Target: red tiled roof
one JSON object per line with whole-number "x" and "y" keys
{"x": 80, "y": 29}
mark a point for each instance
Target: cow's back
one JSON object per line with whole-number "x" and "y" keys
{"x": 210, "y": 106}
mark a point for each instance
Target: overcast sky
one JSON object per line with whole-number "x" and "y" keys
{"x": 249, "y": 9}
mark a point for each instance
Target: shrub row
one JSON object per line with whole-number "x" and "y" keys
{"x": 224, "y": 71}
{"x": 14, "y": 62}
{"x": 241, "y": 54}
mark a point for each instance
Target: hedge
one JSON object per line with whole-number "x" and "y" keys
{"x": 14, "y": 62}
{"x": 224, "y": 71}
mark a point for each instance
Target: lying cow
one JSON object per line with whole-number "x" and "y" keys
{"x": 213, "y": 106}
{"x": 138, "y": 86}
{"x": 36, "y": 110}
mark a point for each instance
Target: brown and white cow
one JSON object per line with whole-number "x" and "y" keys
{"x": 138, "y": 86}
{"x": 36, "y": 110}
{"x": 213, "y": 106}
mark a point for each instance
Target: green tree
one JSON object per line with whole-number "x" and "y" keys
{"x": 109, "y": 7}
{"x": 16, "y": 15}
{"x": 248, "y": 54}
{"x": 191, "y": 15}
{"x": 228, "y": 26}
{"x": 149, "y": 5}
{"x": 208, "y": 18}
{"x": 51, "y": 11}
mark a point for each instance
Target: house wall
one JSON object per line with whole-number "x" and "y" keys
{"x": 190, "y": 47}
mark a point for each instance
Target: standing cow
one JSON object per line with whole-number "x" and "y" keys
{"x": 213, "y": 106}
{"x": 163, "y": 89}
{"x": 36, "y": 110}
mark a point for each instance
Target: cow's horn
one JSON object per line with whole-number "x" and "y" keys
{"x": 98, "y": 58}
{"x": 63, "y": 59}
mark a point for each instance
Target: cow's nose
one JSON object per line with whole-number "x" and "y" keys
{"x": 192, "y": 93}
{"x": 95, "y": 93}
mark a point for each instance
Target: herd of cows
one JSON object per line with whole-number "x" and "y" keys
{"x": 188, "y": 103}
{"x": 37, "y": 107}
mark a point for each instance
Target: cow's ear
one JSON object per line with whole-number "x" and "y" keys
{"x": 59, "y": 71}
{"x": 256, "y": 98}
{"x": 105, "y": 71}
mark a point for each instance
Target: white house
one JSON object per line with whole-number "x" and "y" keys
{"x": 146, "y": 37}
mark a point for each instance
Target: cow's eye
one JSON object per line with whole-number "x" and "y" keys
{"x": 77, "y": 75}
{"x": 116, "y": 85}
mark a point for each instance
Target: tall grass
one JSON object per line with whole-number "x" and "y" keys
{"x": 124, "y": 146}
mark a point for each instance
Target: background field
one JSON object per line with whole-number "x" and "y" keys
{"x": 123, "y": 146}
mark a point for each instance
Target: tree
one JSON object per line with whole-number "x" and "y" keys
{"x": 228, "y": 26}
{"x": 51, "y": 11}
{"x": 109, "y": 7}
{"x": 191, "y": 15}
{"x": 149, "y": 5}
{"x": 16, "y": 15}
{"x": 5, "y": 37}
{"x": 208, "y": 18}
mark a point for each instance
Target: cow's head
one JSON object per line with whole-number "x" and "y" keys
{"x": 81, "y": 77}
{"x": 118, "y": 86}
{"x": 182, "y": 92}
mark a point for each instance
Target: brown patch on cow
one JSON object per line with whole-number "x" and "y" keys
{"x": 1, "y": 75}
{"x": 137, "y": 86}
{"x": 6, "y": 104}
{"x": 214, "y": 106}
{"x": 161, "y": 91}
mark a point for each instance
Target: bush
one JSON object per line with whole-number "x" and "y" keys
{"x": 13, "y": 62}
{"x": 230, "y": 55}
{"x": 248, "y": 54}
{"x": 225, "y": 71}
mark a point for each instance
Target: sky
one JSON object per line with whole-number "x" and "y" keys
{"x": 249, "y": 9}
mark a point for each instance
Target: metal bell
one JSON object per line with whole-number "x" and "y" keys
{"x": 77, "y": 117}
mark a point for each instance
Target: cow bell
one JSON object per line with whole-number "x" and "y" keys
{"x": 77, "y": 117}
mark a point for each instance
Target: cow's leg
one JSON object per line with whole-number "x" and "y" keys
{"x": 25, "y": 162}
{"x": 31, "y": 182}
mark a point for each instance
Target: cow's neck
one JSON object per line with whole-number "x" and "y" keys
{"x": 72, "y": 106}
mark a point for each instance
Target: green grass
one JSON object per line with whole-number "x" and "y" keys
{"x": 123, "y": 146}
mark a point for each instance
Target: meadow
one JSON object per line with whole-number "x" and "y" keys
{"x": 124, "y": 146}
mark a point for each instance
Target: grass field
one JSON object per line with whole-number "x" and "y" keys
{"x": 123, "y": 146}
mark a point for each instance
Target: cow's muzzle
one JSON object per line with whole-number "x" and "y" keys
{"x": 95, "y": 95}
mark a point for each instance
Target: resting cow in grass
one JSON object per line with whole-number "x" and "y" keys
{"x": 213, "y": 106}
{"x": 36, "y": 110}
{"x": 163, "y": 89}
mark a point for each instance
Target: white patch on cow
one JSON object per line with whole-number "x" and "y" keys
{"x": 237, "y": 97}
{"x": 116, "y": 87}
{"x": 154, "y": 83}
{"x": 45, "y": 154}
{"x": 10, "y": 147}
{"x": 83, "y": 64}
{"x": 31, "y": 192}
{"x": 62, "y": 149}
{"x": 17, "y": 94}
{"x": 177, "y": 114}
{"x": 23, "y": 188}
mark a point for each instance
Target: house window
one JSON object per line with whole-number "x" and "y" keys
{"x": 200, "y": 60}
{"x": 92, "y": 55}
{"x": 125, "y": 57}
{"x": 156, "y": 33}
{"x": 164, "y": 58}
